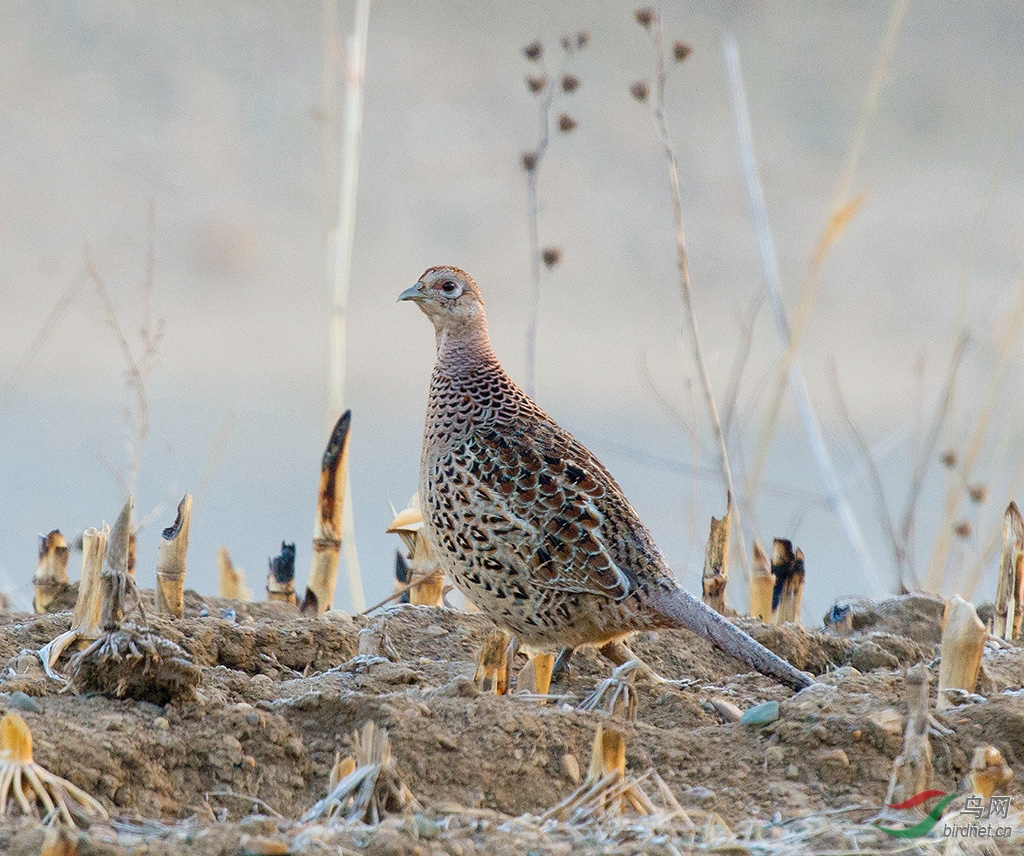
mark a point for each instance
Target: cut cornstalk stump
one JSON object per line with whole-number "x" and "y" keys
{"x": 124, "y": 661}
{"x": 912, "y": 772}
{"x": 85, "y": 625}
{"x": 281, "y": 578}
{"x": 34, "y": 790}
{"x": 989, "y": 772}
{"x": 323, "y": 569}
{"x": 231, "y": 580}
{"x": 493, "y": 663}
{"x": 608, "y": 791}
{"x": 535, "y": 677}
{"x": 171, "y": 562}
{"x": 963, "y": 643}
{"x": 788, "y": 570}
{"x": 716, "y": 562}
{"x": 425, "y": 577}
{"x": 762, "y": 583}
{"x": 51, "y": 576}
{"x": 1006, "y": 616}
{"x": 372, "y": 788}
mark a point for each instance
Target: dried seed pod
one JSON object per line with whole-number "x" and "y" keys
{"x": 949, "y": 458}
{"x": 566, "y": 123}
{"x": 529, "y": 161}
{"x": 533, "y": 51}
{"x": 681, "y": 50}
{"x": 570, "y": 83}
{"x": 536, "y": 84}
{"x": 645, "y": 16}
{"x": 551, "y": 256}
{"x": 640, "y": 90}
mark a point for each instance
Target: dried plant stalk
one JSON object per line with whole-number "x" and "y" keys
{"x": 963, "y": 643}
{"x": 171, "y": 562}
{"x": 762, "y": 583}
{"x": 231, "y": 579}
{"x": 1006, "y": 615}
{"x": 372, "y": 788}
{"x": 912, "y": 772}
{"x": 25, "y": 782}
{"x": 327, "y": 528}
{"x": 716, "y": 562}
{"x": 51, "y": 576}
{"x": 281, "y": 577}
{"x": 492, "y": 665}
{"x": 788, "y": 570}
{"x": 85, "y": 625}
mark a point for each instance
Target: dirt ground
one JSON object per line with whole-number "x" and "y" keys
{"x": 233, "y": 769}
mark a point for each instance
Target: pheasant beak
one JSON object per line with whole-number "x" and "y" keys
{"x": 414, "y": 293}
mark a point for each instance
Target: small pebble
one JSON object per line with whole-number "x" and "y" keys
{"x": 161, "y": 723}
{"x": 23, "y": 701}
{"x": 435, "y": 630}
{"x": 252, "y": 718}
{"x": 571, "y": 768}
{"x": 229, "y": 614}
{"x": 204, "y": 612}
{"x": 699, "y": 795}
{"x": 835, "y": 756}
{"x": 426, "y": 827}
{"x": 761, "y": 714}
{"x": 792, "y": 772}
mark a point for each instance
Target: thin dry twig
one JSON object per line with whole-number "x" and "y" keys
{"x": 697, "y": 352}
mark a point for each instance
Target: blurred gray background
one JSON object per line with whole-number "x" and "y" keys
{"x": 213, "y": 113}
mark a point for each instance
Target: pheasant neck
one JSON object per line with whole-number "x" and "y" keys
{"x": 464, "y": 348}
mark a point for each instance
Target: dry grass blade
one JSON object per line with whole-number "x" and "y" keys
{"x": 372, "y": 790}
{"x": 25, "y": 782}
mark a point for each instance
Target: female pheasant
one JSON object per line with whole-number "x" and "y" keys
{"x": 527, "y": 523}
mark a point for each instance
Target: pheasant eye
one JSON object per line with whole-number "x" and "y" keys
{"x": 448, "y": 287}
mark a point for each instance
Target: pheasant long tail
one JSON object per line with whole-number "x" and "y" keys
{"x": 682, "y": 609}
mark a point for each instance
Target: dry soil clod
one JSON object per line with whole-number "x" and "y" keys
{"x": 716, "y": 562}
{"x": 25, "y": 782}
{"x": 171, "y": 562}
{"x": 323, "y": 568}
{"x": 51, "y": 576}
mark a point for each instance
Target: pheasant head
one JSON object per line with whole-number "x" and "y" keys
{"x": 450, "y": 298}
